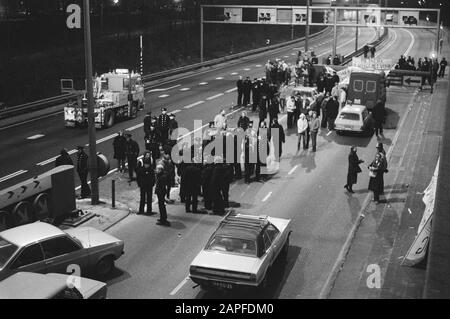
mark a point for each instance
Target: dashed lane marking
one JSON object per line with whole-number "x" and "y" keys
{"x": 135, "y": 127}
{"x": 22, "y": 171}
{"x": 175, "y": 111}
{"x": 203, "y": 83}
{"x": 214, "y": 96}
{"x": 193, "y": 104}
{"x": 219, "y": 78}
{"x": 293, "y": 170}
{"x": 185, "y": 89}
{"x": 35, "y": 137}
{"x": 230, "y": 90}
{"x": 50, "y": 160}
{"x": 180, "y": 285}
{"x": 106, "y": 138}
{"x": 267, "y": 197}
{"x": 164, "y": 95}
{"x": 247, "y": 69}
{"x": 234, "y": 73}
{"x": 258, "y": 65}
{"x": 163, "y": 89}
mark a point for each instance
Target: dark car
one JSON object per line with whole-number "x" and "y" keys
{"x": 410, "y": 20}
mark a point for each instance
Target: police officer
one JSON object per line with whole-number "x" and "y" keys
{"x": 163, "y": 125}
{"x": 240, "y": 90}
{"x": 131, "y": 152}
{"x": 146, "y": 180}
{"x": 207, "y": 173}
{"x": 152, "y": 142}
{"x": 173, "y": 126}
{"x": 216, "y": 179}
{"x": 247, "y": 87}
{"x": 192, "y": 178}
{"x": 256, "y": 94}
{"x": 147, "y": 122}
{"x": 82, "y": 170}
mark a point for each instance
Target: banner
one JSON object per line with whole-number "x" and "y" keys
{"x": 418, "y": 249}
{"x": 373, "y": 64}
{"x": 428, "y": 198}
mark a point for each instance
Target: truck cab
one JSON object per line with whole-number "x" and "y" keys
{"x": 366, "y": 88}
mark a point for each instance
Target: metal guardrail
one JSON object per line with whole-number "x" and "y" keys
{"x": 35, "y": 105}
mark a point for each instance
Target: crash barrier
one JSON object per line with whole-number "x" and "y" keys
{"x": 407, "y": 78}
{"x": 49, "y": 195}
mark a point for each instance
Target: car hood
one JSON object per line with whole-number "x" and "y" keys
{"x": 91, "y": 237}
{"x": 225, "y": 261}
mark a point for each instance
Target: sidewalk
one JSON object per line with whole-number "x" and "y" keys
{"x": 388, "y": 229}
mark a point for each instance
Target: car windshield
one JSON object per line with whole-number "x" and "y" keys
{"x": 233, "y": 245}
{"x": 349, "y": 116}
{"x": 6, "y": 251}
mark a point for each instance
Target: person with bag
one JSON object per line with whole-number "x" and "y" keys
{"x": 376, "y": 170}
{"x": 353, "y": 169}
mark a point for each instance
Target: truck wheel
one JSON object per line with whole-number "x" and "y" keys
{"x": 110, "y": 118}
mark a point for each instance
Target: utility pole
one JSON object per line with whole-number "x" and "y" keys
{"x": 357, "y": 28}
{"x": 90, "y": 106}
{"x": 307, "y": 27}
{"x": 201, "y": 34}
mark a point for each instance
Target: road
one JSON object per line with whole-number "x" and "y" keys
{"x": 29, "y": 149}
{"x": 308, "y": 189}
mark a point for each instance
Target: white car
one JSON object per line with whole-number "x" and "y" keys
{"x": 354, "y": 118}
{"x": 241, "y": 251}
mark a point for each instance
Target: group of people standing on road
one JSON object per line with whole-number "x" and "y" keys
{"x": 436, "y": 69}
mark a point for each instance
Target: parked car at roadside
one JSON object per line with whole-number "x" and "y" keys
{"x": 29, "y": 285}
{"x": 241, "y": 251}
{"x": 41, "y": 247}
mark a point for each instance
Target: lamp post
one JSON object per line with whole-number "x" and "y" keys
{"x": 307, "y": 27}
{"x": 90, "y": 106}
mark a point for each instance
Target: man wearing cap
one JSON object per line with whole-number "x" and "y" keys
{"x": 163, "y": 125}
{"x": 243, "y": 121}
{"x": 131, "y": 152}
{"x": 147, "y": 122}
{"x": 82, "y": 170}
{"x": 173, "y": 126}
{"x": 160, "y": 191}
{"x": 146, "y": 180}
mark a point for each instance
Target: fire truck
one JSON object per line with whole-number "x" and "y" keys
{"x": 114, "y": 99}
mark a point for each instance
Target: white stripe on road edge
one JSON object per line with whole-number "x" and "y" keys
{"x": 193, "y": 104}
{"x": 214, "y": 96}
{"x": 292, "y": 170}
{"x": 164, "y": 95}
{"x": 267, "y": 197}
{"x": 175, "y": 111}
{"x": 12, "y": 175}
{"x": 258, "y": 65}
{"x": 181, "y": 284}
{"x": 135, "y": 127}
{"x": 231, "y": 90}
{"x": 292, "y": 53}
{"x": 246, "y": 69}
{"x": 219, "y": 78}
{"x": 106, "y": 138}
{"x": 35, "y": 137}
{"x": 286, "y": 56}
{"x": 203, "y": 83}
{"x": 185, "y": 89}
{"x": 164, "y": 89}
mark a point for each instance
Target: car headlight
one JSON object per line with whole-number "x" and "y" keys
{"x": 192, "y": 269}
{"x": 253, "y": 277}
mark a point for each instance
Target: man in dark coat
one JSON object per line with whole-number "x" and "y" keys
{"x": 152, "y": 142}
{"x": 243, "y": 121}
{"x": 192, "y": 179}
{"x": 119, "y": 145}
{"x": 353, "y": 169}
{"x": 274, "y": 109}
{"x": 207, "y": 173}
{"x": 263, "y": 109}
{"x": 320, "y": 83}
{"x": 247, "y": 87}
{"x": 160, "y": 191}
{"x": 240, "y": 90}
{"x": 82, "y": 170}
{"x": 215, "y": 186}
{"x": 323, "y": 107}
{"x": 173, "y": 126}
{"x": 146, "y": 180}
{"x": 63, "y": 158}
{"x": 332, "y": 112}
{"x": 378, "y": 117}
{"x": 163, "y": 125}
{"x": 376, "y": 177}
{"x": 334, "y": 79}
{"x": 281, "y": 138}
{"x": 147, "y": 122}
{"x": 256, "y": 94}
{"x": 132, "y": 153}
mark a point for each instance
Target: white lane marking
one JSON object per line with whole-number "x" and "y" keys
{"x": 185, "y": 89}
{"x": 106, "y": 138}
{"x": 329, "y": 133}
{"x": 230, "y": 90}
{"x": 258, "y": 65}
{"x": 214, "y": 96}
{"x": 135, "y": 127}
{"x": 267, "y": 197}
{"x": 163, "y": 89}
{"x": 292, "y": 170}
{"x": 413, "y": 40}
{"x": 35, "y": 137}
{"x": 293, "y": 54}
{"x": 175, "y": 111}
{"x": 246, "y": 69}
{"x": 180, "y": 285}
{"x": 193, "y": 104}
{"x": 234, "y": 73}
{"x": 203, "y": 83}
{"x": 4, "y": 178}
{"x": 164, "y": 95}
{"x": 286, "y": 56}
{"x": 219, "y": 78}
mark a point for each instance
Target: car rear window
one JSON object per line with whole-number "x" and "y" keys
{"x": 233, "y": 245}
{"x": 6, "y": 251}
{"x": 349, "y": 116}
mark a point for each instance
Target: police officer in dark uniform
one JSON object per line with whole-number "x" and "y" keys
{"x": 256, "y": 94}
{"x": 173, "y": 126}
{"x": 152, "y": 142}
{"x": 82, "y": 170}
{"x": 207, "y": 172}
{"x": 147, "y": 122}
{"x": 192, "y": 179}
{"x": 131, "y": 152}
{"x": 163, "y": 125}
{"x": 216, "y": 179}
{"x": 247, "y": 87}
{"x": 240, "y": 90}
{"x": 146, "y": 180}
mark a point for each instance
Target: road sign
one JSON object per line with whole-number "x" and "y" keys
{"x": 412, "y": 81}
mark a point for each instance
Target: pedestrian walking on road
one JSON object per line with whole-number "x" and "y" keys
{"x": 119, "y": 145}
{"x": 63, "y": 158}
{"x": 376, "y": 171}
{"x": 160, "y": 191}
{"x": 353, "y": 169}
{"x": 323, "y": 108}
{"x": 314, "y": 125}
{"x": 378, "y": 117}
{"x": 131, "y": 152}
{"x": 146, "y": 180}
{"x": 443, "y": 65}
{"x": 277, "y": 128}
{"x": 372, "y": 51}
{"x": 82, "y": 170}
{"x": 240, "y": 90}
